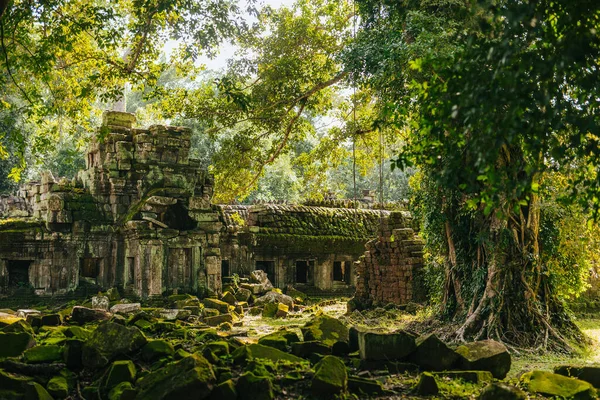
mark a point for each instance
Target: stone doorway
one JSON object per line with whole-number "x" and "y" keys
{"x": 305, "y": 272}
{"x": 18, "y": 273}
{"x": 269, "y": 268}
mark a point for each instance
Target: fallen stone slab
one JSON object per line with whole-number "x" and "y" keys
{"x": 84, "y": 315}
{"x": 305, "y": 349}
{"x": 242, "y": 354}
{"x": 549, "y": 384}
{"x": 431, "y": 354}
{"x": 25, "y": 312}
{"x": 100, "y": 303}
{"x": 325, "y": 329}
{"x": 385, "y": 346}
{"x": 366, "y": 386}
{"x": 427, "y": 385}
{"x": 274, "y": 297}
{"x": 330, "y": 379}
{"x": 128, "y": 308}
{"x": 218, "y": 319}
{"x": 485, "y": 355}
{"x": 219, "y": 305}
{"x": 110, "y": 340}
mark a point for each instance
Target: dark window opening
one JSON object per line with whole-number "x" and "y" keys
{"x": 305, "y": 271}
{"x": 90, "y": 267}
{"x": 224, "y": 268}
{"x": 18, "y": 273}
{"x": 177, "y": 217}
{"x": 341, "y": 271}
{"x": 131, "y": 270}
{"x": 301, "y": 272}
{"x": 269, "y": 268}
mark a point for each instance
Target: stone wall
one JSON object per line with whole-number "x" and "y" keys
{"x": 390, "y": 271}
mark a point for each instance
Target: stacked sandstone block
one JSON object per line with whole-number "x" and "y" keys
{"x": 389, "y": 271}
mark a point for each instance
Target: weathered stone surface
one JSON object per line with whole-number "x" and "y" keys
{"x": 325, "y": 329}
{"x": 218, "y": 319}
{"x": 229, "y": 298}
{"x": 330, "y": 379}
{"x": 260, "y": 277}
{"x": 279, "y": 339}
{"x": 364, "y": 386}
{"x": 485, "y": 355}
{"x": 305, "y": 349}
{"x": 219, "y": 305}
{"x": 427, "y": 385}
{"x": 51, "y": 320}
{"x": 502, "y": 391}
{"x": 385, "y": 346}
{"x": 432, "y": 354}
{"x": 23, "y": 313}
{"x": 252, "y": 387}
{"x": 18, "y": 326}
{"x": 120, "y": 371}
{"x": 275, "y": 298}
{"x": 100, "y": 303}
{"x": 155, "y": 349}
{"x": 174, "y": 314}
{"x": 83, "y": 315}
{"x": 14, "y": 344}
{"x": 43, "y": 354}
{"x": 58, "y": 387}
{"x": 253, "y": 351}
{"x": 586, "y": 373}
{"x": 549, "y": 384}
{"x": 190, "y": 378}
{"x": 122, "y": 391}
{"x": 110, "y": 340}
{"x": 128, "y": 308}
{"x": 243, "y": 294}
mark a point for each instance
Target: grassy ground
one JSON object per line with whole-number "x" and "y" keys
{"x": 591, "y": 355}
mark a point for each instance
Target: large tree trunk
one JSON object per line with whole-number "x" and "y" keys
{"x": 514, "y": 303}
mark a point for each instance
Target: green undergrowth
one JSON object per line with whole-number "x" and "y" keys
{"x": 547, "y": 361}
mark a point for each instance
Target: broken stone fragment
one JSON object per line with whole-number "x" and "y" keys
{"x": 43, "y": 354}
{"x": 218, "y": 319}
{"x": 427, "y": 385}
{"x": 485, "y": 355}
{"x": 190, "y": 378}
{"x": 330, "y": 379}
{"x": 100, "y": 303}
{"x": 385, "y": 346}
{"x": 110, "y": 340}
{"x": 128, "y": 308}
{"x": 252, "y": 351}
{"x": 243, "y": 294}
{"x": 84, "y": 315}
{"x": 305, "y": 349}
{"x": 174, "y": 314}
{"x": 260, "y": 277}
{"x": 14, "y": 344}
{"x": 275, "y": 297}
{"x": 325, "y": 329}
{"x": 364, "y": 386}
{"x": 279, "y": 339}
{"x": 24, "y": 313}
{"x": 549, "y": 384}
{"x": 229, "y": 298}
{"x": 252, "y": 387}
{"x": 282, "y": 311}
{"x": 432, "y": 354}
{"x": 216, "y": 304}
{"x": 155, "y": 349}
{"x": 58, "y": 387}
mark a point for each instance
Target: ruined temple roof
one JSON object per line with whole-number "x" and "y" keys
{"x": 304, "y": 220}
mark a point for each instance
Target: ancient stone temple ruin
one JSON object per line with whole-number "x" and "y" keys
{"x": 140, "y": 218}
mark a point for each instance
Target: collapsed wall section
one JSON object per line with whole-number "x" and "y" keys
{"x": 390, "y": 271}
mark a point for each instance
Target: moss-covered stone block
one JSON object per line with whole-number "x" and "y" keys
{"x": 224, "y": 391}
{"x": 549, "y": 384}
{"x": 220, "y": 347}
{"x": 72, "y": 353}
{"x": 385, "y": 346}
{"x": 20, "y": 326}
{"x": 155, "y": 349}
{"x": 485, "y": 355}
{"x": 252, "y": 387}
{"x": 58, "y": 387}
{"x": 14, "y": 344}
{"x": 77, "y": 332}
{"x": 34, "y": 391}
{"x": 432, "y": 354}
{"x": 110, "y": 340}
{"x": 123, "y": 391}
{"x": 269, "y": 310}
{"x": 364, "y": 386}
{"x": 279, "y": 339}
{"x": 120, "y": 371}
{"x": 253, "y": 351}
{"x": 43, "y": 354}
{"x": 188, "y": 379}
{"x": 502, "y": 391}
{"x": 219, "y": 305}
{"x": 325, "y": 329}
{"x": 330, "y": 379}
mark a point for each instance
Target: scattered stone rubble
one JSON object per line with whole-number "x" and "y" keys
{"x": 199, "y": 349}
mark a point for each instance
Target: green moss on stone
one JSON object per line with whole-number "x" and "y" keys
{"x": 43, "y": 354}
{"x": 330, "y": 379}
{"x": 155, "y": 349}
{"x": 58, "y": 387}
{"x": 252, "y": 387}
{"x": 120, "y": 371}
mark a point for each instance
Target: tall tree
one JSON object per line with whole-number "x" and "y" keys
{"x": 59, "y": 57}
{"x": 496, "y": 94}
